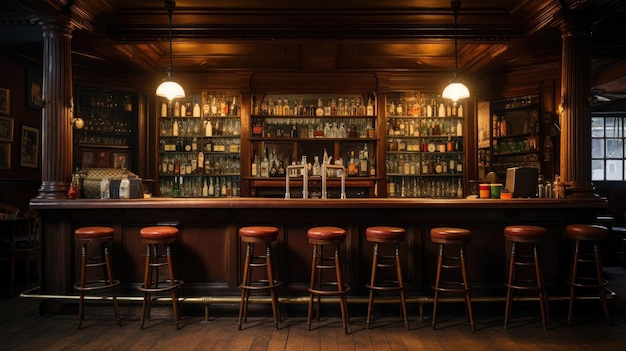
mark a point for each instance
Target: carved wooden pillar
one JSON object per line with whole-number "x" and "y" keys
{"x": 57, "y": 111}
{"x": 575, "y": 168}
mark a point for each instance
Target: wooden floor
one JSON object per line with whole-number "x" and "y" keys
{"x": 22, "y": 328}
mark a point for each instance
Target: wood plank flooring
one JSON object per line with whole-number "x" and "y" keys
{"x": 22, "y": 328}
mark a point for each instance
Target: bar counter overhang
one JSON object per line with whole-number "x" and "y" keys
{"x": 209, "y": 257}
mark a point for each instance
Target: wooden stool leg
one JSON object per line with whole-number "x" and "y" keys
{"x": 245, "y": 281}
{"x": 83, "y": 275}
{"x": 401, "y": 285}
{"x": 542, "y": 300}
{"x": 146, "y": 284}
{"x": 468, "y": 300}
{"x": 312, "y": 285}
{"x": 343, "y": 301}
{"x": 509, "y": 292}
{"x": 170, "y": 268}
{"x": 437, "y": 281}
{"x": 370, "y": 305}
{"x": 110, "y": 278}
{"x": 573, "y": 275}
{"x": 270, "y": 279}
{"x": 600, "y": 277}
{"x": 319, "y": 278}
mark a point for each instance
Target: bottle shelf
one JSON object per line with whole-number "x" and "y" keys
{"x": 424, "y": 146}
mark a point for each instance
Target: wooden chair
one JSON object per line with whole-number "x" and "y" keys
{"x": 21, "y": 242}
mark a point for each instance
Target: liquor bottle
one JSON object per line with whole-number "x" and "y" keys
{"x": 124, "y": 187}
{"x": 211, "y": 190}
{"x": 223, "y": 189}
{"x": 449, "y": 146}
{"x": 364, "y": 157}
{"x": 163, "y": 110}
{"x": 265, "y": 165}
{"x": 254, "y": 172}
{"x": 373, "y": 167}
{"x": 459, "y": 128}
{"x": 459, "y": 189}
{"x": 205, "y": 189}
{"x": 175, "y": 128}
{"x": 294, "y": 131}
{"x": 459, "y": 111}
{"x": 370, "y": 107}
{"x": 273, "y": 165}
{"x": 459, "y": 166}
{"x": 105, "y": 188}
{"x": 196, "y": 110}
{"x": 183, "y": 110}
{"x": 175, "y": 188}
{"x": 208, "y": 128}
{"x": 442, "y": 110}
{"x": 353, "y": 169}
{"x": 176, "y": 109}
{"x": 281, "y": 169}
{"x": 317, "y": 168}
{"x": 200, "y": 162}
{"x": 452, "y": 166}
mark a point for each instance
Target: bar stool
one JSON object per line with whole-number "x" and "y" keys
{"x": 585, "y": 236}
{"x": 154, "y": 237}
{"x": 525, "y": 235}
{"x": 320, "y": 237}
{"x": 446, "y": 237}
{"x": 261, "y": 235}
{"x": 386, "y": 235}
{"x": 103, "y": 237}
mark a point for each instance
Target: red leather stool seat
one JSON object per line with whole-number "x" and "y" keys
{"x": 266, "y": 233}
{"x": 93, "y": 232}
{"x": 524, "y": 233}
{"x": 326, "y": 233}
{"x": 385, "y": 233}
{"x": 448, "y": 235}
{"x": 158, "y": 232}
{"x": 587, "y": 232}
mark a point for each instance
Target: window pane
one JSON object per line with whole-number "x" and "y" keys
{"x": 597, "y": 148}
{"x": 612, "y": 127}
{"x": 597, "y": 170}
{"x": 614, "y": 170}
{"x": 614, "y": 148}
{"x": 597, "y": 127}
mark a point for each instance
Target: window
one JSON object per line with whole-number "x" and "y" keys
{"x": 607, "y": 146}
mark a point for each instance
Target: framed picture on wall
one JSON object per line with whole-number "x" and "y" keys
{"x": 34, "y": 89}
{"x": 5, "y": 101}
{"x": 5, "y": 155}
{"x": 121, "y": 160}
{"x": 30, "y": 147}
{"x": 6, "y": 129}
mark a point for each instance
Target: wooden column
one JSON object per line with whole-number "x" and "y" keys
{"x": 57, "y": 111}
{"x": 575, "y": 166}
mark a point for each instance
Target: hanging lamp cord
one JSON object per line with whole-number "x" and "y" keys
{"x": 455, "y": 7}
{"x": 170, "y": 5}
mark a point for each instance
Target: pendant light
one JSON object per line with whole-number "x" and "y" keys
{"x": 456, "y": 89}
{"x": 169, "y": 88}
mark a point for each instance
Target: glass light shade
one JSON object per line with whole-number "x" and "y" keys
{"x": 455, "y": 91}
{"x": 170, "y": 89}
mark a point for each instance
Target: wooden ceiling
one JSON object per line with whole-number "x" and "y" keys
{"x": 131, "y": 36}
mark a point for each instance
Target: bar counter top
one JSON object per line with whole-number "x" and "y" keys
{"x": 256, "y": 202}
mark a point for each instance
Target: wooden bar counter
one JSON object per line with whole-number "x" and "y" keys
{"x": 209, "y": 257}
